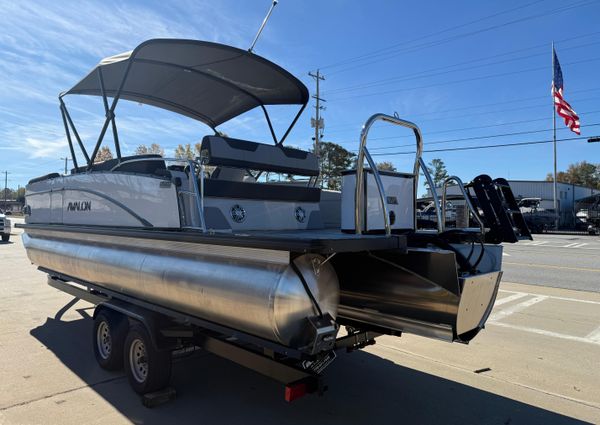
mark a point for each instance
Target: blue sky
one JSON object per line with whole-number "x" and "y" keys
{"x": 461, "y": 70}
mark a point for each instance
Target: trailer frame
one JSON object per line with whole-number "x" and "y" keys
{"x": 170, "y": 330}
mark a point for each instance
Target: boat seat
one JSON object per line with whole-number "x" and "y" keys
{"x": 42, "y": 178}
{"x": 139, "y": 164}
{"x": 236, "y": 153}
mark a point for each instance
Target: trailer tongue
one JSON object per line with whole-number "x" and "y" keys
{"x": 209, "y": 253}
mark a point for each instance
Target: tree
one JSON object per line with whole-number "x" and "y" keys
{"x": 20, "y": 194}
{"x": 333, "y": 160}
{"x": 104, "y": 154}
{"x": 153, "y": 149}
{"x": 386, "y": 166}
{"x": 438, "y": 172}
{"x": 582, "y": 173}
{"x": 186, "y": 151}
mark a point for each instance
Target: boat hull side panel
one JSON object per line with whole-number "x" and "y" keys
{"x": 104, "y": 199}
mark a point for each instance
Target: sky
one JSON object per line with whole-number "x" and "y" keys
{"x": 469, "y": 73}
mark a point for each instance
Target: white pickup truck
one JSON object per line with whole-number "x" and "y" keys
{"x": 5, "y": 227}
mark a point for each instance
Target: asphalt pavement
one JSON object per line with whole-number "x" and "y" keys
{"x": 559, "y": 261}
{"x": 537, "y": 362}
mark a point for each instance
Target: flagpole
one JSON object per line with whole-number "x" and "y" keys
{"x": 556, "y": 213}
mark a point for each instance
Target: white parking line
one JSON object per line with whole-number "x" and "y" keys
{"x": 535, "y": 243}
{"x": 586, "y": 339}
{"x": 594, "y": 335}
{"x": 499, "y": 315}
{"x": 510, "y": 298}
{"x": 552, "y": 297}
{"x": 495, "y": 319}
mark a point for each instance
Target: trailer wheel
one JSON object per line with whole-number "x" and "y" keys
{"x": 110, "y": 329}
{"x": 147, "y": 368}
{"x": 5, "y": 238}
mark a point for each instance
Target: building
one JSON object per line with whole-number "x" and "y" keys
{"x": 566, "y": 195}
{"x": 11, "y": 205}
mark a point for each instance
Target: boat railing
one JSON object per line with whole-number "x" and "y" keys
{"x": 363, "y": 153}
{"x": 468, "y": 202}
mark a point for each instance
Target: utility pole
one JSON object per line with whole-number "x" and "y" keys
{"x": 6, "y": 173}
{"x": 317, "y": 122}
{"x": 66, "y": 159}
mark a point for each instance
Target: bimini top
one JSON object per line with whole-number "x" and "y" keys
{"x": 206, "y": 81}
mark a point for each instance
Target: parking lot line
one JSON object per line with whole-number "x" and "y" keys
{"x": 585, "y": 339}
{"x": 594, "y": 335}
{"x": 552, "y": 297}
{"x": 499, "y": 315}
{"x": 510, "y": 298}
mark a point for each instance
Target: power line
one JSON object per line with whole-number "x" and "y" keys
{"x": 520, "y": 133}
{"x": 485, "y": 105}
{"x": 434, "y": 43}
{"x": 445, "y": 83}
{"x": 393, "y": 46}
{"x": 491, "y": 136}
{"x": 473, "y": 114}
{"x": 424, "y": 74}
{"x": 466, "y": 148}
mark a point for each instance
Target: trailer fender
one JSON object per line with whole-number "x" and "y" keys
{"x": 135, "y": 314}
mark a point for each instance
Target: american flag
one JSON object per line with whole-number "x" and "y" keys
{"x": 562, "y": 106}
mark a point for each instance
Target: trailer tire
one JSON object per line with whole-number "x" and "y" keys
{"x": 147, "y": 368}
{"x": 110, "y": 329}
{"x": 5, "y": 238}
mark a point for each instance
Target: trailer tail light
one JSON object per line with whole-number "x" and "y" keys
{"x": 295, "y": 391}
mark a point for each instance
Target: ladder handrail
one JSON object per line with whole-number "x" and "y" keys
{"x": 461, "y": 187}
{"x": 363, "y": 152}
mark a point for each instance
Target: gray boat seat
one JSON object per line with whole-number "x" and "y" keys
{"x": 236, "y": 153}
{"x": 139, "y": 164}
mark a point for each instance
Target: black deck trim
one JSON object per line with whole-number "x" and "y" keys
{"x": 300, "y": 241}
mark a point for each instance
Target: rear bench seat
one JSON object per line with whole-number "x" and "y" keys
{"x": 242, "y": 154}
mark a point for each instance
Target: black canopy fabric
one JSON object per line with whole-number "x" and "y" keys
{"x": 206, "y": 81}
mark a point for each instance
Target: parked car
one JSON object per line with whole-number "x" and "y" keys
{"x": 5, "y": 227}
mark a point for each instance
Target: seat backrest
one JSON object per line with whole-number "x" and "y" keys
{"x": 236, "y": 153}
{"x": 139, "y": 164}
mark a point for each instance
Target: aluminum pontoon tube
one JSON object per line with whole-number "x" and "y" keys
{"x": 252, "y": 290}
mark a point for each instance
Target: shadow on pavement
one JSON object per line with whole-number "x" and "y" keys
{"x": 363, "y": 389}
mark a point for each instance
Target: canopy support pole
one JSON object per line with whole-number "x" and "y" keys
{"x": 112, "y": 116}
{"x": 62, "y": 113}
{"x": 109, "y": 114}
{"x": 292, "y": 124}
{"x": 72, "y": 125}
{"x": 270, "y": 124}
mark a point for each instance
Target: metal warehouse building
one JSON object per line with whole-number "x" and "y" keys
{"x": 567, "y": 194}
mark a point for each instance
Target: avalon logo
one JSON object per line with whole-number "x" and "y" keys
{"x": 79, "y": 206}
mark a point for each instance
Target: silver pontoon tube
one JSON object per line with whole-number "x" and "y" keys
{"x": 252, "y": 290}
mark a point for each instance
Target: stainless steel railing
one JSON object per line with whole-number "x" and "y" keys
{"x": 463, "y": 191}
{"x": 363, "y": 153}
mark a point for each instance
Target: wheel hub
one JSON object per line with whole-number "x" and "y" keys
{"x": 138, "y": 361}
{"x": 104, "y": 340}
